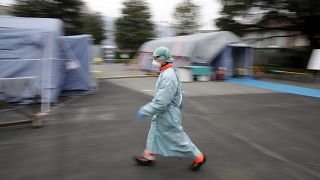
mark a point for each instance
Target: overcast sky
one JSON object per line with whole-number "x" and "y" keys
{"x": 161, "y": 10}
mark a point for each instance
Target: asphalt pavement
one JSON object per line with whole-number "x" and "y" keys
{"x": 246, "y": 134}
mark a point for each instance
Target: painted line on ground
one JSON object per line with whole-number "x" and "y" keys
{"x": 276, "y": 87}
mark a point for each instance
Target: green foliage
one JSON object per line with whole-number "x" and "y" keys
{"x": 4, "y": 10}
{"x": 134, "y": 27}
{"x": 187, "y": 18}
{"x": 302, "y": 13}
{"x": 228, "y": 24}
{"x": 68, "y": 11}
{"x": 94, "y": 25}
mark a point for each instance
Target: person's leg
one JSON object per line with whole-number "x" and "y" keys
{"x": 192, "y": 150}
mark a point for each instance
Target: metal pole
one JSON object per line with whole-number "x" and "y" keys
{"x": 46, "y": 75}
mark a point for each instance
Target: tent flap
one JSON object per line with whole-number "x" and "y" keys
{"x": 75, "y": 49}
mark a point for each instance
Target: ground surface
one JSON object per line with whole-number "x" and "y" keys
{"x": 246, "y": 133}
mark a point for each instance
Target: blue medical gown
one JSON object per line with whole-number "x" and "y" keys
{"x": 166, "y": 135}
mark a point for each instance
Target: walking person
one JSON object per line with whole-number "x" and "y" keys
{"x": 166, "y": 136}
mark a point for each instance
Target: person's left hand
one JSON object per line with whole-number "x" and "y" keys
{"x": 141, "y": 115}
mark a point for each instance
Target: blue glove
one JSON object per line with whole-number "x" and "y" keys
{"x": 140, "y": 115}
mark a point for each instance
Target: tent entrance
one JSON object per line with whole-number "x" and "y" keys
{"x": 236, "y": 60}
{"x": 239, "y": 61}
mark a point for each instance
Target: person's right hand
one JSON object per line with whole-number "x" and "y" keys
{"x": 141, "y": 115}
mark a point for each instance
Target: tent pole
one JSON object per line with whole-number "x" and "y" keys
{"x": 46, "y": 75}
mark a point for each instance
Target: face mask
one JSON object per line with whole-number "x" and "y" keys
{"x": 156, "y": 64}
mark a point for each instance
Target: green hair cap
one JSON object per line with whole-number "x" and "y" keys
{"x": 163, "y": 53}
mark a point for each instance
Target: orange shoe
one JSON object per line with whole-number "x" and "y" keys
{"x": 143, "y": 161}
{"x": 198, "y": 163}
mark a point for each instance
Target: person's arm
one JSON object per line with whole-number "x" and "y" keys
{"x": 163, "y": 97}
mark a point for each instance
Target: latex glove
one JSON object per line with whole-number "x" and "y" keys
{"x": 140, "y": 115}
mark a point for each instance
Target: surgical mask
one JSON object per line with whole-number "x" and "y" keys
{"x": 156, "y": 64}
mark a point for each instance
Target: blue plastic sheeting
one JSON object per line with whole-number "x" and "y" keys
{"x": 76, "y": 48}
{"x": 45, "y": 24}
{"x": 277, "y": 87}
{"x": 195, "y": 49}
{"x": 199, "y": 47}
{"x": 21, "y": 54}
{"x": 233, "y": 57}
{"x": 27, "y": 42}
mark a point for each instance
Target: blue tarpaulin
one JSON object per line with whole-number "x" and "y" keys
{"x": 45, "y": 24}
{"x": 22, "y": 52}
{"x": 215, "y": 49}
{"x": 34, "y": 47}
{"x": 234, "y": 57}
{"x": 76, "y": 49}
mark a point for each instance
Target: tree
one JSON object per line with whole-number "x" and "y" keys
{"x": 69, "y": 12}
{"x": 229, "y": 24}
{"x": 134, "y": 27}
{"x": 93, "y": 24}
{"x": 187, "y": 18}
{"x": 303, "y": 14}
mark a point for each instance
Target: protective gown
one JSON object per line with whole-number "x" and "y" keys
{"x": 166, "y": 135}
